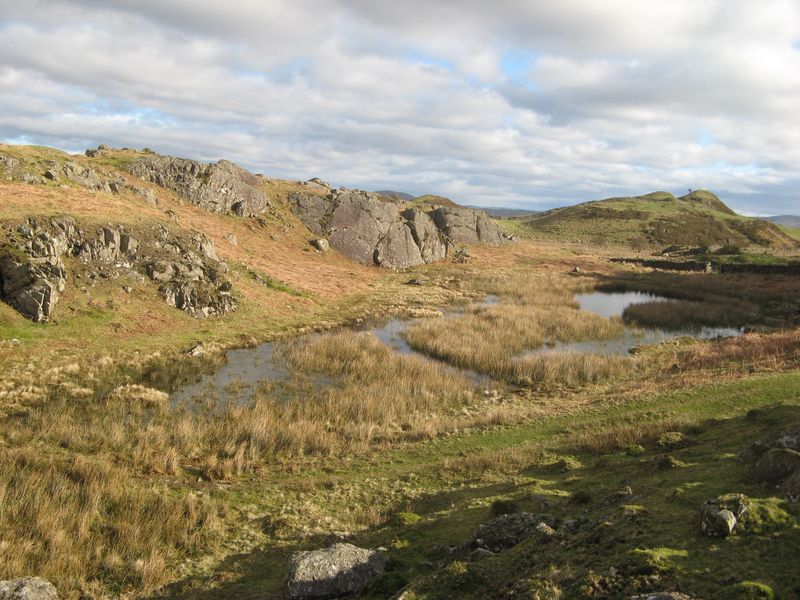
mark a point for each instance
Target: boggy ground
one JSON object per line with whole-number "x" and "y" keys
{"x": 108, "y": 489}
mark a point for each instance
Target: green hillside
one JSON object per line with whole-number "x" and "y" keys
{"x": 657, "y": 219}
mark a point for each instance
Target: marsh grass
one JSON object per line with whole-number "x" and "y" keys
{"x": 536, "y": 309}
{"x": 685, "y": 314}
{"x": 82, "y": 520}
{"x": 744, "y": 353}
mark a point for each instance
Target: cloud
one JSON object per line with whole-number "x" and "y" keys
{"x": 509, "y": 103}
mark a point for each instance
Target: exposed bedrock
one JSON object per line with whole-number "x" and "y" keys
{"x": 221, "y": 187}
{"x": 364, "y": 227}
{"x": 184, "y": 267}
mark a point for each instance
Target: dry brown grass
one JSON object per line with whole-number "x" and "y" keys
{"x": 745, "y": 353}
{"x": 81, "y": 520}
{"x": 623, "y": 434}
{"x": 537, "y": 308}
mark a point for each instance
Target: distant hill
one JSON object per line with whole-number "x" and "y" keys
{"x": 655, "y": 220}
{"x": 432, "y": 200}
{"x": 504, "y": 213}
{"x": 785, "y": 220}
{"x": 395, "y": 195}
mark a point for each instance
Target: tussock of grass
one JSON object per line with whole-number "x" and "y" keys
{"x": 81, "y": 519}
{"x": 623, "y": 435}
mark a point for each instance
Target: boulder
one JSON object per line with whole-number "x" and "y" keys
{"x": 789, "y": 438}
{"x": 332, "y": 572}
{"x": 27, "y": 588}
{"x": 314, "y": 211}
{"x": 719, "y": 518}
{"x": 509, "y": 530}
{"x": 222, "y": 187}
{"x": 467, "y": 226}
{"x": 321, "y": 244}
{"x": 369, "y": 229}
{"x": 359, "y": 223}
{"x": 774, "y": 466}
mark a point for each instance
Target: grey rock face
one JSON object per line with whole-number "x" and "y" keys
{"x": 27, "y": 588}
{"x": 429, "y": 239}
{"x": 32, "y": 273}
{"x": 365, "y": 228}
{"x": 222, "y": 187}
{"x": 466, "y": 226}
{"x": 719, "y": 518}
{"x": 332, "y": 572}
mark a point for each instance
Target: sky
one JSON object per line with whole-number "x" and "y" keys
{"x": 515, "y": 103}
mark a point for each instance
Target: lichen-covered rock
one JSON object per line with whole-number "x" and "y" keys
{"x": 27, "y": 588}
{"x": 790, "y": 488}
{"x": 187, "y": 271}
{"x": 398, "y": 248}
{"x": 358, "y": 224}
{"x": 719, "y": 518}
{"x": 466, "y": 226}
{"x": 367, "y": 228}
{"x": 222, "y": 187}
{"x": 340, "y": 570}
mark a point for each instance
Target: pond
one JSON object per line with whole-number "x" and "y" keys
{"x": 247, "y": 368}
{"x": 613, "y": 304}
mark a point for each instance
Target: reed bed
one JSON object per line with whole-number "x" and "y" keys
{"x": 536, "y": 310}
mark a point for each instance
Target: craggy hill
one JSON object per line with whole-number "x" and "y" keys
{"x": 124, "y": 219}
{"x": 658, "y": 219}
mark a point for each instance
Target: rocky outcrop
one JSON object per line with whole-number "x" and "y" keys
{"x": 340, "y": 570}
{"x": 367, "y": 228}
{"x": 185, "y": 268}
{"x": 426, "y": 235}
{"x": 466, "y": 226}
{"x": 27, "y": 588}
{"x": 222, "y": 187}
{"x": 509, "y": 530}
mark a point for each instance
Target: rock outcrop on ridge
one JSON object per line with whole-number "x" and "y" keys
{"x": 367, "y": 228}
{"x": 221, "y": 187}
{"x": 185, "y": 268}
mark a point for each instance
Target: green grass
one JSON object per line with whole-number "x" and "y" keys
{"x": 652, "y": 221}
{"x": 655, "y": 532}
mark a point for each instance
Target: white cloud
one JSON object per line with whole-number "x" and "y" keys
{"x": 613, "y": 97}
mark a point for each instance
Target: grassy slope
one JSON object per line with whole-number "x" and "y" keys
{"x": 657, "y": 219}
{"x": 451, "y": 483}
{"x": 313, "y": 288}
